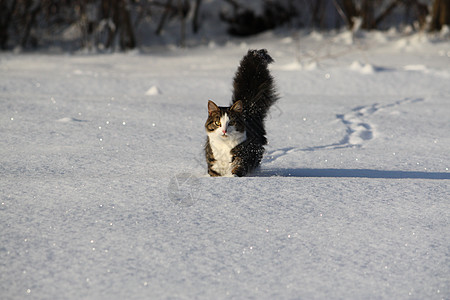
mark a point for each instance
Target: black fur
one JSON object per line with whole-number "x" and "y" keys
{"x": 254, "y": 86}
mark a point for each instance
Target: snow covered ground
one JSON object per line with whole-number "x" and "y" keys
{"x": 104, "y": 193}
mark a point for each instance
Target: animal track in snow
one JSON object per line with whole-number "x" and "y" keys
{"x": 358, "y": 128}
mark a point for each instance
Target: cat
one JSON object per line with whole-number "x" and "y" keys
{"x": 236, "y": 134}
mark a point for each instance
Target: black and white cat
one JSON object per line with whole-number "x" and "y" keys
{"x": 236, "y": 134}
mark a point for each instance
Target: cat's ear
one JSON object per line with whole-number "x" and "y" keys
{"x": 212, "y": 107}
{"x": 237, "y": 106}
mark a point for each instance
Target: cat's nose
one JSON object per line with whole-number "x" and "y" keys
{"x": 224, "y": 131}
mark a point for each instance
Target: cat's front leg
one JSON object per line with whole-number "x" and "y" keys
{"x": 213, "y": 173}
{"x": 239, "y": 167}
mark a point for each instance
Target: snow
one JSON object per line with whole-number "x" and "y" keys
{"x": 362, "y": 68}
{"x": 153, "y": 91}
{"x": 105, "y": 195}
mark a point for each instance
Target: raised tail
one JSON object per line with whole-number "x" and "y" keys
{"x": 254, "y": 86}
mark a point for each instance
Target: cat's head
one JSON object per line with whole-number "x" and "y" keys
{"x": 225, "y": 122}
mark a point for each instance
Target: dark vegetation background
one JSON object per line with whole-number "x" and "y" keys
{"x": 107, "y": 25}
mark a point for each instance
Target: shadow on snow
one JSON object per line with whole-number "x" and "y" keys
{"x": 350, "y": 173}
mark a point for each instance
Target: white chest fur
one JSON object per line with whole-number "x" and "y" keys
{"x": 221, "y": 147}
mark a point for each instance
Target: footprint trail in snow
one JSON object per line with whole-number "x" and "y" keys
{"x": 359, "y": 130}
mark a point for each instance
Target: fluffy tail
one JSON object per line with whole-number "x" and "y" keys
{"x": 254, "y": 86}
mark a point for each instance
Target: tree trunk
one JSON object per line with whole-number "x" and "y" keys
{"x": 127, "y": 38}
{"x": 6, "y": 20}
{"x": 164, "y": 17}
{"x": 440, "y": 14}
{"x": 34, "y": 8}
{"x": 195, "y": 25}
{"x": 350, "y": 11}
{"x": 108, "y": 10}
{"x": 367, "y": 15}
{"x": 386, "y": 12}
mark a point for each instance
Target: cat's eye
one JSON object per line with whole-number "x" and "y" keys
{"x": 217, "y": 123}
